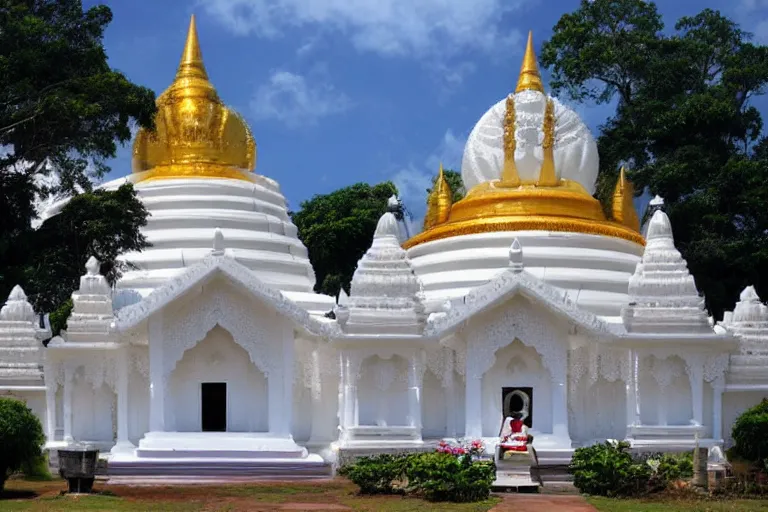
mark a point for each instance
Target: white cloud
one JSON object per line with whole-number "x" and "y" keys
{"x": 421, "y": 28}
{"x": 291, "y": 99}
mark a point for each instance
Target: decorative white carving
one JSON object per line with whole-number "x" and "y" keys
{"x": 662, "y": 293}
{"x": 520, "y": 321}
{"x": 92, "y": 312}
{"x": 21, "y": 355}
{"x": 186, "y": 329}
{"x": 516, "y": 256}
{"x": 506, "y": 285}
{"x": 131, "y": 316}
{"x": 386, "y": 295}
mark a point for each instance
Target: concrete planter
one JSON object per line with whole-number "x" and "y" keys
{"x": 78, "y": 467}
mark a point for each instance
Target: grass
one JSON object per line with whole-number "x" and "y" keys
{"x": 678, "y": 505}
{"x": 47, "y": 496}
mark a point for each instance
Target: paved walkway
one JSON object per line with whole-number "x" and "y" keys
{"x": 542, "y": 503}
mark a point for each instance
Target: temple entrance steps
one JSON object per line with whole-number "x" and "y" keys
{"x": 162, "y": 457}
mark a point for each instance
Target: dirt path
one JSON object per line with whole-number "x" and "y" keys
{"x": 541, "y": 503}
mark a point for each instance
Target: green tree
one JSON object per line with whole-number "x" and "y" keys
{"x": 21, "y": 437}
{"x": 337, "y": 229}
{"x": 684, "y": 124}
{"x": 454, "y": 181}
{"x": 63, "y": 110}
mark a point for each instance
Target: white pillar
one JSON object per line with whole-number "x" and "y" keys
{"x": 156, "y": 377}
{"x": 68, "y": 377}
{"x": 450, "y": 399}
{"x": 275, "y": 403}
{"x": 414, "y": 392}
{"x": 560, "y": 409}
{"x": 631, "y": 388}
{"x": 121, "y": 385}
{"x": 717, "y": 413}
{"x": 289, "y": 351}
{"x": 696, "y": 376}
{"x": 50, "y": 406}
{"x": 473, "y": 407}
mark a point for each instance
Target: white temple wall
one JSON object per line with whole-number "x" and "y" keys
{"x": 301, "y": 428}
{"x": 383, "y": 391}
{"x": 217, "y": 358}
{"x": 665, "y": 392}
{"x": 93, "y": 411}
{"x": 434, "y": 407}
{"x": 734, "y": 404}
{"x": 597, "y": 410}
{"x": 708, "y": 409}
{"x": 517, "y": 366}
{"x": 138, "y": 406}
{"x": 679, "y": 401}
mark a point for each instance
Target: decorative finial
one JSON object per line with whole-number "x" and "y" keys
{"x": 530, "y": 77}
{"x": 218, "y": 242}
{"x": 343, "y": 298}
{"x": 516, "y": 256}
{"x": 92, "y": 266}
{"x": 393, "y": 204}
{"x": 191, "y": 64}
{"x": 439, "y": 202}
{"x": 623, "y": 207}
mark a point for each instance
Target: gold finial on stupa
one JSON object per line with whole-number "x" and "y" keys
{"x": 439, "y": 202}
{"x": 191, "y": 64}
{"x": 196, "y": 135}
{"x": 623, "y": 208}
{"x": 530, "y": 77}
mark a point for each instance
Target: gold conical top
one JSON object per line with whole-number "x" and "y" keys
{"x": 439, "y": 202}
{"x": 196, "y": 134}
{"x": 191, "y": 65}
{"x": 530, "y": 78}
{"x": 623, "y": 208}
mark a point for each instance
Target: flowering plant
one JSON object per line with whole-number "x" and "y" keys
{"x": 473, "y": 449}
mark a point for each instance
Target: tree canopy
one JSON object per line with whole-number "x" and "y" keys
{"x": 337, "y": 229}
{"x": 454, "y": 181}
{"x": 63, "y": 110}
{"x": 684, "y": 124}
{"x": 21, "y": 437}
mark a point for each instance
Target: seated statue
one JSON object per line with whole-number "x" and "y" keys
{"x": 514, "y": 436}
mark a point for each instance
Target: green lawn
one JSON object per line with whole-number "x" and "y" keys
{"x": 262, "y": 497}
{"x": 613, "y": 505}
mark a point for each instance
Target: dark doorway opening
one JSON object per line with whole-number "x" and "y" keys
{"x": 516, "y": 400}
{"x": 213, "y": 398}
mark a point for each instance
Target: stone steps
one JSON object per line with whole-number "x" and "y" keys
{"x": 196, "y": 470}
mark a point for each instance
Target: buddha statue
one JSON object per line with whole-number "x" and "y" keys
{"x": 530, "y": 164}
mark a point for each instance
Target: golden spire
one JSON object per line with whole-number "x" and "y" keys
{"x": 623, "y": 208}
{"x": 530, "y": 78}
{"x": 439, "y": 202}
{"x": 196, "y": 135}
{"x": 191, "y": 64}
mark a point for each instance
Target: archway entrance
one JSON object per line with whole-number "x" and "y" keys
{"x": 518, "y": 400}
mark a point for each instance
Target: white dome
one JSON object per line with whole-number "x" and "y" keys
{"x": 575, "y": 149}
{"x": 184, "y": 215}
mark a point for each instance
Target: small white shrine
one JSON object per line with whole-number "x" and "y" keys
{"x": 212, "y": 355}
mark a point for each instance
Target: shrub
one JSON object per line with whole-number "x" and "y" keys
{"x": 437, "y": 476}
{"x": 21, "y": 437}
{"x": 445, "y": 477}
{"x": 610, "y": 469}
{"x": 378, "y": 474}
{"x": 750, "y": 433}
{"x": 37, "y": 468}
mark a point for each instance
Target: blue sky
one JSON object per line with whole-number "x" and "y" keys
{"x": 342, "y": 91}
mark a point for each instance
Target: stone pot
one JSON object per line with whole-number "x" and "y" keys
{"x": 78, "y": 467}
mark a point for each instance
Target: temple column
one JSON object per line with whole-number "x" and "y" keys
{"x": 473, "y": 405}
{"x": 121, "y": 385}
{"x": 414, "y": 391}
{"x": 633, "y": 416}
{"x": 69, "y": 372}
{"x": 289, "y": 352}
{"x": 717, "y": 413}
{"x": 350, "y": 392}
{"x": 559, "y": 374}
{"x": 51, "y": 386}
{"x": 156, "y": 377}
{"x": 696, "y": 376}
{"x": 449, "y": 388}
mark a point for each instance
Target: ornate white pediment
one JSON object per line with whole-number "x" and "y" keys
{"x": 503, "y": 287}
{"x": 224, "y": 266}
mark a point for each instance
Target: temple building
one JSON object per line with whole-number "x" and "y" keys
{"x": 213, "y": 355}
